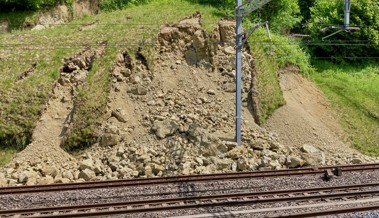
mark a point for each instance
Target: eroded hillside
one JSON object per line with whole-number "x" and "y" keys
{"x": 169, "y": 111}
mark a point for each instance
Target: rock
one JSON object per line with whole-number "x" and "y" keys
{"x": 309, "y": 149}
{"x": 86, "y": 164}
{"x": 242, "y": 164}
{"x": 119, "y": 116}
{"x": 199, "y": 161}
{"x": 125, "y": 172}
{"x": 68, "y": 175}
{"x": 222, "y": 164}
{"x": 164, "y": 128}
{"x": 38, "y": 27}
{"x": 62, "y": 180}
{"x": 148, "y": 171}
{"x": 260, "y": 144}
{"x": 211, "y": 92}
{"x": 312, "y": 155}
{"x": 157, "y": 168}
{"x": 87, "y": 174}
{"x": 109, "y": 139}
{"x": 4, "y": 26}
{"x": 46, "y": 180}
{"x": 3, "y": 180}
{"x": 356, "y": 161}
{"x": 139, "y": 90}
{"x": 23, "y": 177}
{"x": 293, "y": 162}
{"x": 237, "y": 152}
{"x": 48, "y": 170}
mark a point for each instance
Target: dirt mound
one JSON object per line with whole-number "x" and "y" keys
{"x": 307, "y": 118}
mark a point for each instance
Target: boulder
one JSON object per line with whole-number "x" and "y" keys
{"x": 86, "y": 164}
{"x": 222, "y": 164}
{"x": 48, "y": 170}
{"x": 164, "y": 128}
{"x": 87, "y": 174}
{"x": 23, "y": 176}
{"x": 67, "y": 175}
{"x": 312, "y": 155}
{"x": 293, "y": 162}
{"x": 237, "y": 152}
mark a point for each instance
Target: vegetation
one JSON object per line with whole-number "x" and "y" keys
{"x": 6, "y": 5}
{"x": 363, "y": 43}
{"x": 354, "y": 91}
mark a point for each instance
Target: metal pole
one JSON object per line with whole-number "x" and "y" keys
{"x": 347, "y": 5}
{"x": 238, "y": 71}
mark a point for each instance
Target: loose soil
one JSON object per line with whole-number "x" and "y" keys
{"x": 307, "y": 117}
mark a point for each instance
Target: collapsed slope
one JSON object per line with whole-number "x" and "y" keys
{"x": 170, "y": 115}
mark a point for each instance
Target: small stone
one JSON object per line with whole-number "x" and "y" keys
{"x": 211, "y": 92}
{"x": 46, "y": 180}
{"x": 119, "y": 116}
{"x": 139, "y": 90}
{"x": 109, "y": 139}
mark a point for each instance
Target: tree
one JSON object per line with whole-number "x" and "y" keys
{"x": 363, "y": 43}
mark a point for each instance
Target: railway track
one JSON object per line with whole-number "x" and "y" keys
{"x": 183, "y": 179}
{"x": 344, "y": 193}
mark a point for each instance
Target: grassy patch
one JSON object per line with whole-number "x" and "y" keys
{"x": 6, "y": 155}
{"x": 354, "y": 91}
{"x": 18, "y": 19}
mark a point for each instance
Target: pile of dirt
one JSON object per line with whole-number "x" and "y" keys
{"x": 307, "y": 118}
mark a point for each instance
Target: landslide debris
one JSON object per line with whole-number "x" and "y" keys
{"x": 171, "y": 116}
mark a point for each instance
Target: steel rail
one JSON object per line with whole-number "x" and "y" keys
{"x": 330, "y": 212}
{"x": 186, "y": 202}
{"x": 181, "y": 179}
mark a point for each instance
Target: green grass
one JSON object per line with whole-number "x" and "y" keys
{"x": 6, "y": 155}
{"x": 269, "y": 58}
{"x": 354, "y": 92}
{"x": 18, "y": 19}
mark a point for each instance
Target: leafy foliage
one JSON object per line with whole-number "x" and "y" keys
{"x": 364, "y": 14}
{"x": 6, "y": 5}
{"x": 111, "y": 5}
{"x": 281, "y": 14}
